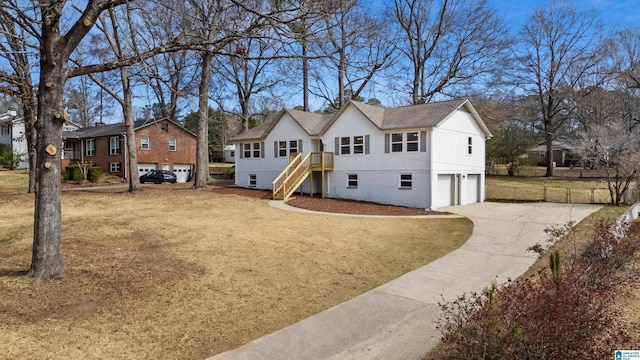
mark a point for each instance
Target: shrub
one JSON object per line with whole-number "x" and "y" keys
{"x": 94, "y": 174}
{"x": 9, "y": 159}
{"x": 564, "y": 313}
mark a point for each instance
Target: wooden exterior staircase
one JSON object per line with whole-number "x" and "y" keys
{"x": 298, "y": 170}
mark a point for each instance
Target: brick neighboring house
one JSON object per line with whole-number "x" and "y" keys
{"x": 160, "y": 144}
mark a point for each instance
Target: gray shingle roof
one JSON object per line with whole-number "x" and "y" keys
{"x": 405, "y": 117}
{"x": 108, "y": 130}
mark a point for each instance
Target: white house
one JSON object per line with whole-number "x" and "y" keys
{"x": 424, "y": 156}
{"x": 12, "y": 133}
{"x": 229, "y": 153}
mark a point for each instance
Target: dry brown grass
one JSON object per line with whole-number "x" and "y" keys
{"x": 175, "y": 273}
{"x": 14, "y": 181}
{"x": 561, "y": 190}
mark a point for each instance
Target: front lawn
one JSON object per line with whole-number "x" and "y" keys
{"x": 176, "y": 273}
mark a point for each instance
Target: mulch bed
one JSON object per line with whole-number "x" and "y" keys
{"x": 327, "y": 204}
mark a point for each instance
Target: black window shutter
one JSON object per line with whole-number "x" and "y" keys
{"x": 366, "y": 144}
{"x": 337, "y": 150}
{"x": 423, "y": 141}
{"x": 262, "y": 150}
{"x": 300, "y": 146}
{"x": 275, "y": 149}
{"x": 387, "y": 142}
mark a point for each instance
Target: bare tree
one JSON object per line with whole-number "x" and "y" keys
{"x": 249, "y": 75}
{"x": 447, "y": 45}
{"x": 559, "y": 54}
{"x": 18, "y": 81}
{"x": 613, "y": 146}
{"x": 59, "y": 27}
{"x": 353, "y": 45}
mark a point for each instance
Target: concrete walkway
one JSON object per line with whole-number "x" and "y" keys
{"x": 396, "y": 320}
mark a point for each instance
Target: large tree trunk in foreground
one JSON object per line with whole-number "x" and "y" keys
{"x": 202, "y": 154}
{"x": 46, "y": 259}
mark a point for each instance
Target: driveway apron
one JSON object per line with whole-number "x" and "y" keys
{"x": 397, "y": 319}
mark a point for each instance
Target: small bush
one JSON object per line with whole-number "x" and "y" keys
{"x": 94, "y": 174}
{"x": 9, "y": 159}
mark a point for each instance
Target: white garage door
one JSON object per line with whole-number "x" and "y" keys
{"x": 183, "y": 172}
{"x": 144, "y": 168}
{"x": 473, "y": 188}
{"x": 444, "y": 190}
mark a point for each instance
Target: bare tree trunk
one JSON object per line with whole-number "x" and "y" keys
{"x": 31, "y": 135}
{"x": 548, "y": 138}
{"x": 305, "y": 77}
{"x": 132, "y": 156}
{"x": 202, "y": 151}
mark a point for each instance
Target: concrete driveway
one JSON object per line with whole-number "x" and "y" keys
{"x": 396, "y": 320}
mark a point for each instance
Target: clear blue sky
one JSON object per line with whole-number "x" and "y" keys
{"x": 617, "y": 13}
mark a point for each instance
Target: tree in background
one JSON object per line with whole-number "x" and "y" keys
{"x": 18, "y": 39}
{"x": 559, "y": 53}
{"x": 509, "y": 146}
{"x": 447, "y": 46}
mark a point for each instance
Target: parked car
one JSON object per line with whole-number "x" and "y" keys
{"x": 159, "y": 176}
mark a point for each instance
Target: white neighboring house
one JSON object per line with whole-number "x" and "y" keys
{"x": 424, "y": 156}
{"x": 12, "y": 133}
{"x": 229, "y": 153}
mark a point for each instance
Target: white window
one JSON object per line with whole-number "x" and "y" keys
{"x": 90, "y": 147}
{"x": 114, "y": 145}
{"x": 470, "y": 145}
{"x": 345, "y": 146}
{"x": 144, "y": 143}
{"x": 4, "y": 130}
{"x": 293, "y": 147}
{"x": 405, "y": 181}
{"x": 114, "y": 167}
{"x": 172, "y": 144}
{"x": 251, "y": 150}
{"x": 358, "y": 144}
{"x": 352, "y": 181}
{"x": 413, "y": 141}
{"x": 396, "y": 142}
{"x": 252, "y": 180}
{"x": 282, "y": 149}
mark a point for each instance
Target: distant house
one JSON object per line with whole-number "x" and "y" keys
{"x": 229, "y": 153}
{"x": 562, "y": 153}
{"x": 424, "y": 156}
{"x": 160, "y": 144}
{"x": 12, "y": 134}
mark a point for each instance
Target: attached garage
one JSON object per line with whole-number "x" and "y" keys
{"x": 445, "y": 190}
{"x": 144, "y": 168}
{"x": 183, "y": 172}
{"x": 473, "y": 188}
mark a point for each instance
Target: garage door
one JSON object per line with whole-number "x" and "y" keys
{"x": 445, "y": 190}
{"x": 144, "y": 168}
{"x": 183, "y": 172}
{"x": 473, "y": 188}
